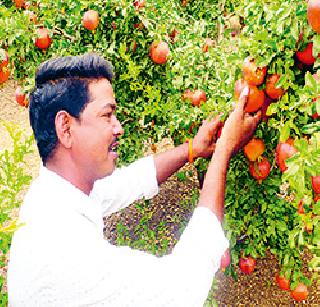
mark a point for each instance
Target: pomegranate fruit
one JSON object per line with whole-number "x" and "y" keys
{"x": 313, "y": 14}
{"x": 272, "y": 90}
{"x": 90, "y": 20}
{"x": 300, "y": 293}
{"x": 159, "y": 52}
{"x": 255, "y": 97}
{"x": 43, "y": 41}
{"x": 283, "y": 282}
{"x": 260, "y": 170}
{"x": 251, "y": 73}
{"x": 4, "y": 75}
{"x": 139, "y": 4}
{"x": 315, "y": 180}
{"x": 19, "y": 3}
{"x": 21, "y": 97}
{"x": 283, "y": 152}
{"x": 305, "y": 56}
{"x": 247, "y": 264}
{"x": 225, "y": 260}
{"x": 254, "y": 149}
{"x": 196, "y": 97}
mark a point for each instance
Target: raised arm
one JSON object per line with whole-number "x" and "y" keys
{"x": 236, "y": 132}
{"x": 141, "y": 178}
{"x": 203, "y": 145}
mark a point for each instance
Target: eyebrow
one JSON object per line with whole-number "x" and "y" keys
{"x": 113, "y": 106}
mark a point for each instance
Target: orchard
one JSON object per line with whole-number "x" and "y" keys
{"x": 178, "y": 62}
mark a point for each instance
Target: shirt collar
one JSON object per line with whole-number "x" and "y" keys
{"x": 78, "y": 200}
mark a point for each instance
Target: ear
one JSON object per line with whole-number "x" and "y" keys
{"x": 63, "y": 123}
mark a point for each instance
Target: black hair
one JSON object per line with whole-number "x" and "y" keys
{"x": 62, "y": 84}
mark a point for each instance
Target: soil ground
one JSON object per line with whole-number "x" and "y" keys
{"x": 257, "y": 289}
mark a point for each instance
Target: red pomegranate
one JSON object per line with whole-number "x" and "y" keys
{"x": 159, "y": 52}
{"x": 315, "y": 180}
{"x": 284, "y": 151}
{"x": 43, "y": 41}
{"x": 225, "y": 260}
{"x": 260, "y": 170}
{"x": 247, "y": 264}
{"x": 90, "y": 20}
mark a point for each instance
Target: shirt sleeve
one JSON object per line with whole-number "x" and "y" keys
{"x": 126, "y": 185}
{"x": 182, "y": 278}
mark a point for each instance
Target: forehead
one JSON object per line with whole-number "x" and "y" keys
{"x": 100, "y": 94}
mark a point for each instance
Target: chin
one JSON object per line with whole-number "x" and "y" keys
{"x": 109, "y": 171}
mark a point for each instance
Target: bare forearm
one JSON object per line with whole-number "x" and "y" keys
{"x": 237, "y": 131}
{"x": 170, "y": 161}
{"x": 213, "y": 191}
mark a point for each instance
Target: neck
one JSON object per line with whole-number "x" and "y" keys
{"x": 67, "y": 169}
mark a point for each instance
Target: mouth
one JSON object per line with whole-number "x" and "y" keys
{"x": 112, "y": 149}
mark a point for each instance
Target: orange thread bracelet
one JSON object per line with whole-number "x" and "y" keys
{"x": 190, "y": 153}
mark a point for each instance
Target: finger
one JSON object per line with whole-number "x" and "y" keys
{"x": 257, "y": 117}
{"x": 205, "y": 122}
{"x": 212, "y": 147}
{"x": 216, "y": 122}
{"x": 210, "y": 117}
{"x": 245, "y": 92}
{"x": 213, "y": 127}
{"x": 242, "y": 100}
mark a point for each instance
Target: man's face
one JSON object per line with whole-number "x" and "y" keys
{"x": 94, "y": 137}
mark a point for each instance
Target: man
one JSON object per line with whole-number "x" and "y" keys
{"x": 59, "y": 257}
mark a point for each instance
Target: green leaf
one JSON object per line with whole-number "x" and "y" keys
{"x": 272, "y": 109}
{"x": 301, "y": 238}
{"x": 181, "y": 176}
{"x": 282, "y": 226}
{"x": 285, "y": 132}
{"x": 310, "y": 82}
{"x": 316, "y": 45}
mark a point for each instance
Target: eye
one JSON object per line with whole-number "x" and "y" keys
{"x": 108, "y": 115}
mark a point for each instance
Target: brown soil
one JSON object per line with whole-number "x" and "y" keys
{"x": 257, "y": 289}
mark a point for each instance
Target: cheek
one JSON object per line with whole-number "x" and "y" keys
{"x": 85, "y": 142}
{"x": 106, "y": 135}
{"x": 94, "y": 140}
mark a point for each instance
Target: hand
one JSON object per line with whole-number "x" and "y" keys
{"x": 239, "y": 127}
{"x": 204, "y": 142}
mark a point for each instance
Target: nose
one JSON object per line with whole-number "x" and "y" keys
{"x": 117, "y": 128}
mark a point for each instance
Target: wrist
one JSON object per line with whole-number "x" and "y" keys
{"x": 223, "y": 150}
{"x": 190, "y": 153}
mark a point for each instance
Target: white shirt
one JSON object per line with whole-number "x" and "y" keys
{"x": 60, "y": 257}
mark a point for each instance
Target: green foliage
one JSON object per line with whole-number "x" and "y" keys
{"x": 13, "y": 178}
{"x": 146, "y": 93}
{"x": 145, "y": 235}
{"x": 210, "y": 302}
{"x": 262, "y": 216}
